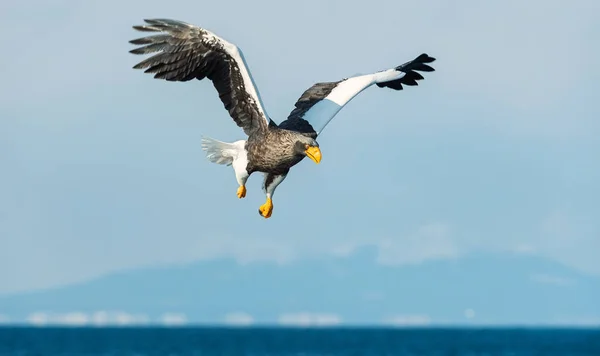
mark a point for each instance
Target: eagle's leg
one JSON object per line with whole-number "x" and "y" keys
{"x": 269, "y": 185}
{"x": 241, "y": 175}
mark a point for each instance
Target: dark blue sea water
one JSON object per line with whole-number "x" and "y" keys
{"x": 279, "y": 341}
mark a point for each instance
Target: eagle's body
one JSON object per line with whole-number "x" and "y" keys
{"x": 189, "y": 52}
{"x": 273, "y": 151}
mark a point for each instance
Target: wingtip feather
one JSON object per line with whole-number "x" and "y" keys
{"x": 424, "y": 58}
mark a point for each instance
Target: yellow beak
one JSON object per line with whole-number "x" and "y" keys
{"x": 314, "y": 153}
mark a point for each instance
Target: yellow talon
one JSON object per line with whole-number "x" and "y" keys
{"x": 266, "y": 209}
{"x": 241, "y": 192}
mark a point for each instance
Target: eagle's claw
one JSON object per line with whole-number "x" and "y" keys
{"x": 266, "y": 209}
{"x": 241, "y": 192}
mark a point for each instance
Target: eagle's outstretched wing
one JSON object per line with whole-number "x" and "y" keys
{"x": 321, "y": 102}
{"x": 187, "y": 52}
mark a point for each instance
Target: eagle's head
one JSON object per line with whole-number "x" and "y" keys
{"x": 309, "y": 147}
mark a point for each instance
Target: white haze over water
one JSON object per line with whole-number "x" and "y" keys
{"x": 101, "y": 318}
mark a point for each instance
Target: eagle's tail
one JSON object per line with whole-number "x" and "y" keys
{"x": 219, "y": 152}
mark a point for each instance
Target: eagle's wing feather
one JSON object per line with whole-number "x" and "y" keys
{"x": 321, "y": 102}
{"x": 187, "y": 52}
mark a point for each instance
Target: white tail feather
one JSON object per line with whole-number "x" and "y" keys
{"x": 219, "y": 152}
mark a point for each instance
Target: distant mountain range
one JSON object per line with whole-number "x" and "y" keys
{"x": 491, "y": 289}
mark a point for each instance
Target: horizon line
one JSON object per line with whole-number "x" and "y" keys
{"x": 267, "y": 325}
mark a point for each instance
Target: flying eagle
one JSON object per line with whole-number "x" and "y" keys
{"x": 187, "y": 52}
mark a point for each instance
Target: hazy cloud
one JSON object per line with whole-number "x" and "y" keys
{"x": 38, "y": 318}
{"x": 100, "y": 318}
{"x": 173, "y": 319}
{"x": 309, "y": 319}
{"x": 239, "y": 319}
{"x": 4, "y": 319}
{"x": 469, "y": 313}
{"x": 408, "y": 320}
{"x": 585, "y": 321}
{"x": 549, "y": 279}
{"x": 571, "y": 239}
{"x": 429, "y": 242}
{"x": 122, "y": 318}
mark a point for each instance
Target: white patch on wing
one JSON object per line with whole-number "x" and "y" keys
{"x": 321, "y": 113}
{"x": 349, "y": 88}
{"x": 249, "y": 83}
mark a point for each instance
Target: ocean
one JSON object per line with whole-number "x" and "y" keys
{"x": 297, "y": 341}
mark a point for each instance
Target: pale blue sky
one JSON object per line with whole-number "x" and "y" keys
{"x": 102, "y": 170}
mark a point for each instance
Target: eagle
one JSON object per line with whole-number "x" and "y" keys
{"x": 183, "y": 52}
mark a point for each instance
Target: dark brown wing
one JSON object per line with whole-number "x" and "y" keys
{"x": 187, "y": 52}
